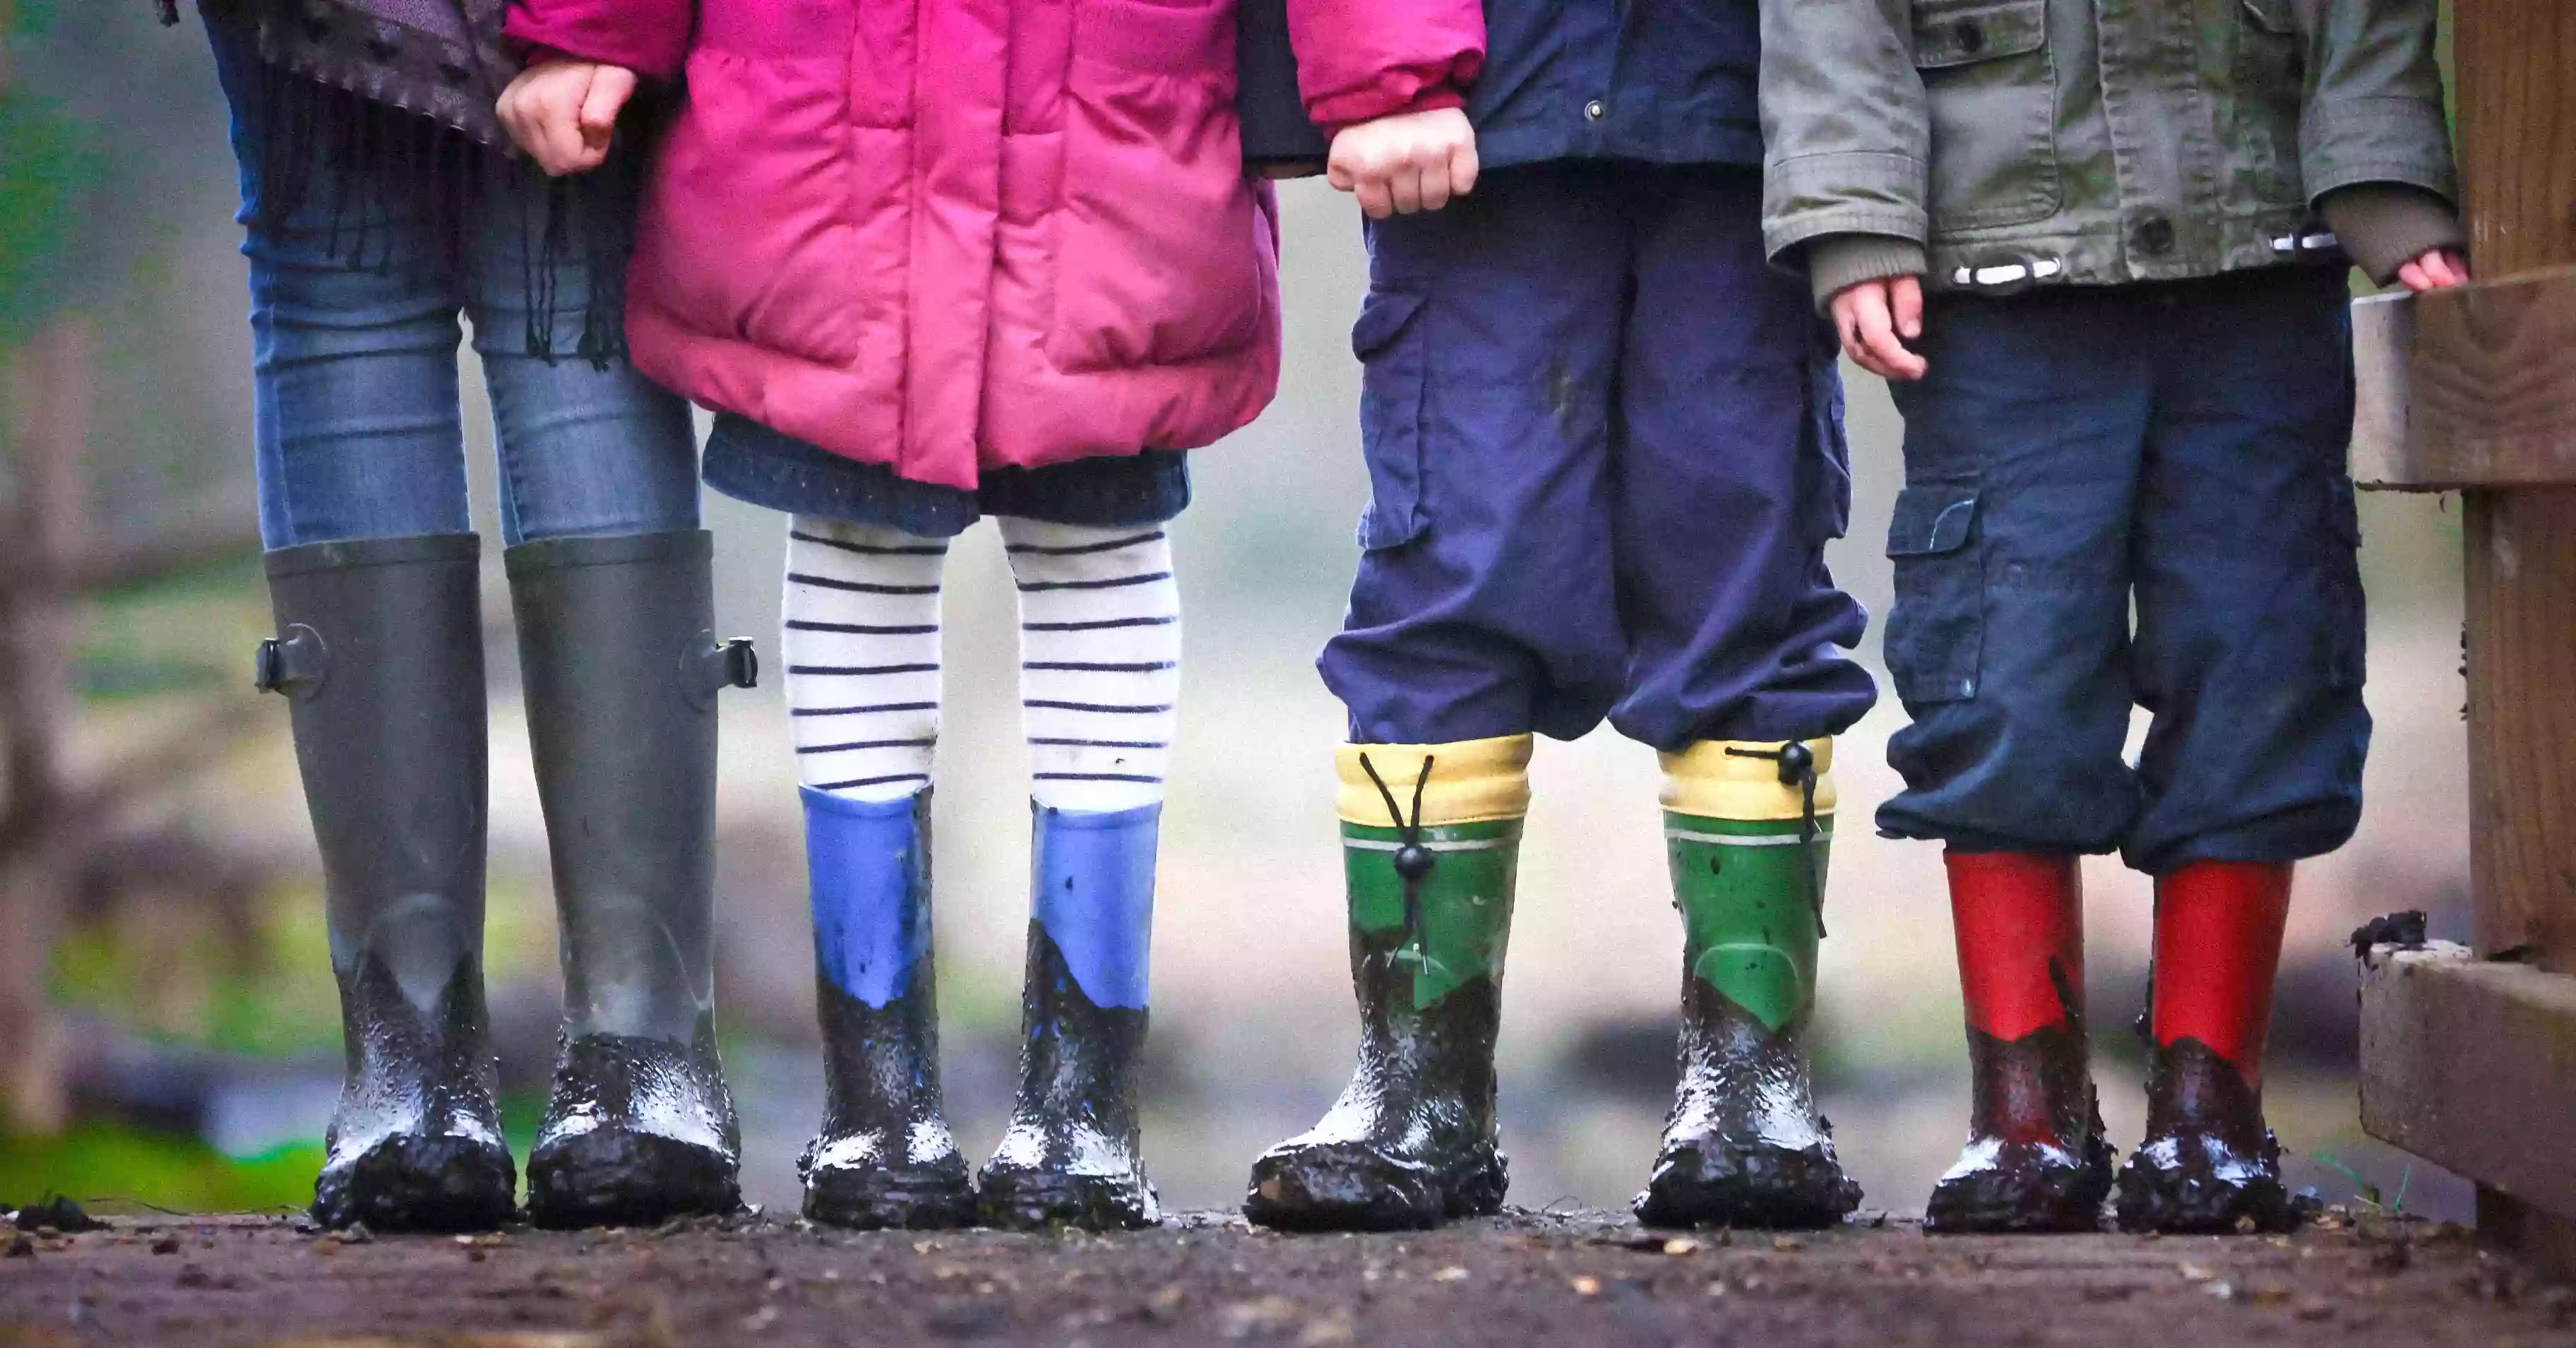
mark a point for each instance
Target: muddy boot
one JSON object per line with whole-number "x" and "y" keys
{"x": 1431, "y": 850}
{"x": 622, "y": 669}
{"x": 885, "y": 1157}
{"x": 2036, "y": 1159}
{"x": 380, "y": 650}
{"x": 2209, "y": 1163}
{"x": 1072, "y": 1154}
{"x": 1747, "y": 827}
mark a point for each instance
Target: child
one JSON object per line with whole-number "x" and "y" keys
{"x": 931, "y": 260}
{"x": 1605, "y": 456}
{"x": 2131, "y": 383}
{"x": 380, "y": 209}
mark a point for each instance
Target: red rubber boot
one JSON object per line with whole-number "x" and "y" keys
{"x": 2036, "y": 1159}
{"x": 2209, "y": 1163}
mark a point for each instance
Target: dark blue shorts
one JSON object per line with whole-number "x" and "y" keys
{"x": 2179, "y": 447}
{"x": 1605, "y": 455}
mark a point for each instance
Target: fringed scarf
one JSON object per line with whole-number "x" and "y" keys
{"x": 385, "y": 108}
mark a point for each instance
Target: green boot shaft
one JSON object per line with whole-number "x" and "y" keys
{"x": 1464, "y": 903}
{"x": 1748, "y": 894}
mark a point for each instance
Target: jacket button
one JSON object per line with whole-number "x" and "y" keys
{"x": 2154, "y": 236}
{"x": 1971, "y": 36}
{"x": 1595, "y": 110}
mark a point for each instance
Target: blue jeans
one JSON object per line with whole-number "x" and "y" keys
{"x": 2179, "y": 446}
{"x": 360, "y": 433}
{"x": 1605, "y": 455}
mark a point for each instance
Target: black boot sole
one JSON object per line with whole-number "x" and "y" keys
{"x": 1758, "y": 1187}
{"x": 2177, "y": 1202}
{"x": 419, "y": 1182}
{"x": 1347, "y": 1187}
{"x": 2031, "y": 1200}
{"x": 1028, "y": 1200}
{"x": 890, "y": 1200}
{"x": 617, "y": 1177}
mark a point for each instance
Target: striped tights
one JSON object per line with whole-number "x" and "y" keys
{"x": 1100, "y": 652}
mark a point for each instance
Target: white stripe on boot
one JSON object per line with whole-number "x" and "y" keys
{"x": 862, "y": 648}
{"x": 1100, "y": 661}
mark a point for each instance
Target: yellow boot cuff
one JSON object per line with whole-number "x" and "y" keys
{"x": 1471, "y": 782}
{"x": 1707, "y": 782}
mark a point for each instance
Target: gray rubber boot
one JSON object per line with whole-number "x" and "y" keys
{"x": 621, "y": 665}
{"x": 380, "y": 651}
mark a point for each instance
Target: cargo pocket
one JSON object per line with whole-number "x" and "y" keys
{"x": 1936, "y": 632}
{"x": 2348, "y": 651}
{"x": 1394, "y": 368}
{"x": 2270, "y": 80}
{"x": 1992, "y": 89}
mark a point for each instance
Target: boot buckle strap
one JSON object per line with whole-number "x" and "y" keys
{"x": 294, "y": 664}
{"x": 711, "y": 666}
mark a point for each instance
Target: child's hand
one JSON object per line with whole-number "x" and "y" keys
{"x": 1407, "y": 163}
{"x": 563, "y": 113}
{"x": 1876, "y": 318}
{"x": 2437, "y": 269}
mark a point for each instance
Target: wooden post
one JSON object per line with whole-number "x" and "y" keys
{"x": 2517, "y": 62}
{"x": 2490, "y": 409}
{"x": 46, "y": 401}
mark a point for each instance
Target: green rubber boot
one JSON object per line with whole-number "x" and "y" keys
{"x": 1744, "y": 1144}
{"x": 1411, "y": 1141}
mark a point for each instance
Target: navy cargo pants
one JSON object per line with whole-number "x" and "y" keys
{"x": 1605, "y": 454}
{"x": 2178, "y": 445}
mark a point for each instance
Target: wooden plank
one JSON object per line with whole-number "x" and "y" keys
{"x": 2472, "y": 1064}
{"x": 2521, "y": 593}
{"x": 2383, "y": 365}
{"x": 2489, "y": 398}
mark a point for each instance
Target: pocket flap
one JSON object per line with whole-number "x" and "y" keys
{"x": 1933, "y": 520}
{"x": 1956, "y": 34}
{"x": 1382, "y": 320}
{"x": 2272, "y": 16}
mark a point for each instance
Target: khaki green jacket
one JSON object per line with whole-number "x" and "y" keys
{"x": 2091, "y": 142}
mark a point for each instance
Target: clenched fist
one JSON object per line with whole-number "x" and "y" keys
{"x": 1876, "y": 319}
{"x": 564, "y": 113}
{"x": 1412, "y": 162}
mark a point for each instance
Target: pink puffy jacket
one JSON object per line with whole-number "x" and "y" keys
{"x": 948, "y": 235}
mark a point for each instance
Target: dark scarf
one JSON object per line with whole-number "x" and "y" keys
{"x": 399, "y": 95}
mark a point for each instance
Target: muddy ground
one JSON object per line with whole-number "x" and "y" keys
{"x": 1523, "y": 1279}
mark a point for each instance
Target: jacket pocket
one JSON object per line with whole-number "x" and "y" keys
{"x": 750, "y": 207}
{"x": 1394, "y": 370}
{"x": 1936, "y": 631}
{"x": 2271, "y": 73}
{"x": 1991, "y": 85}
{"x": 1157, "y": 232}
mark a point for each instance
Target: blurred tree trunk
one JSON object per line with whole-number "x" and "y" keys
{"x": 46, "y": 400}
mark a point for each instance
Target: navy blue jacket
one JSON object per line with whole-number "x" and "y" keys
{"x": 1668, "y": 81}
{"x": 1663, "y": 81}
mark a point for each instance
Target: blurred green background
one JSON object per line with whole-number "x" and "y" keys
{"x": 168, "y": 1032}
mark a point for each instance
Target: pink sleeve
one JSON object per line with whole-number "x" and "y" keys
{"x": 1359, "y": 60}
{"x": 648, "y": 37}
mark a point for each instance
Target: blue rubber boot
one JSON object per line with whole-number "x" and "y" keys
{"x": 885, "y": 1157}
{"x": 1071, "y": 1155}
